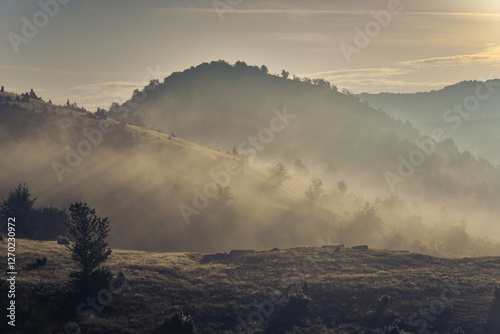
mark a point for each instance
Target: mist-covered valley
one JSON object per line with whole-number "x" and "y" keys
{"x": 222, "y": 157}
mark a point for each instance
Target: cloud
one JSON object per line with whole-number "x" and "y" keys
{"x": 459, "y": 15}
{"x": 108, "y": 86}
{"x": 359, "y": 73}
{"x": 103, "y": 93}
{"x": 490, "y": 55}
{"x": 279, "y": 11}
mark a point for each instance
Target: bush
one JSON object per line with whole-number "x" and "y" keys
{"x": 177, "y": 323}
{"x": 62, "y": 240}
{"x": 41, "y": 261}
{"x": 289, "y": 314}
{"x": 384, "y": 300}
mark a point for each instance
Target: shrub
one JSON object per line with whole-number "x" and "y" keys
{"x": 62, "y": 240}
{"x": 384, "y": 300}
{"x": 41, "y": 261}
{"x": 177, "y": 323}
{"x": 289, "y": 314}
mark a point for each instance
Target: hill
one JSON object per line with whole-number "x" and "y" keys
{"x": 160, "y": 191}
{"x": 467, "y": 112}
{"x": 347, "y": 291}
{"x": 334, "y": 134}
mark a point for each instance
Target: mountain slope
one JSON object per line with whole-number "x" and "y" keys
{"x": 467, "y": 112}
{"x": 332, "y": 133}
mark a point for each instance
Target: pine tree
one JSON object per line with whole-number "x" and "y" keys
{"x": 90, "y": 248}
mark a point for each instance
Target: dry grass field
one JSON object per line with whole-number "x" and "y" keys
{"x": 298, "y": 290}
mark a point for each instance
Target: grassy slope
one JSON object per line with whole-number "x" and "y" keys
{"x": 213, "y": 294}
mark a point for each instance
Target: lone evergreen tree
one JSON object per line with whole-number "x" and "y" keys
{"x": 90, "y": 248}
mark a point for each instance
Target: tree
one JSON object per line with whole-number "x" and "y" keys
{"x": 33, "y": 94}
{"x": 2, "y": 89}
{"x": 314, "y": 192}
{"x": 365, "y": 224}
{"x": 300, "y": 168}
{"x": 20, "y": 205}
{"x": 285, "y": 74}
{"x": 90, "y": 248}
{"x": 264, "y": 69}
{"x": 50, "y": 223}
{"x": 342, "y": 186}
{"x": 101, "y": 114}
{"x": 278, "y": 173}
{"x": 222, "y": 196}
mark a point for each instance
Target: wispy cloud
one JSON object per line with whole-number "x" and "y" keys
{"x": 281, "y": 11}
{"x": 460, "y": 15}
{"x": 103, "y": 93}
{"x": 490, "y": 55}
{"x": 359, "y": 73}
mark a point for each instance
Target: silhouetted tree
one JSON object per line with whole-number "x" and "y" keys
{"x": 264, "y": 69}
{"x": 50, "y": 223}
{"x": 364, "y": 224}
{"x": 222, "y": 196}
{"x": 33, "y": 95}
{"x": 300, "y": 168}
{"x": 20, "y": 205}
{"x": 240, "y": 65}
{"x": 90, "y": 248}
{"x": 278, "y": 173}
{"x": 285, "y": 74}
{"x": 2, "y": 89}
{"x": 342, "y": 186}
{"x": 347, "y": 92}
{"x": 101, "y": 114}
{"x": 314, "y": 192}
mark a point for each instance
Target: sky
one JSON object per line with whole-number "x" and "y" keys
{"x": 96, "y": 52}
